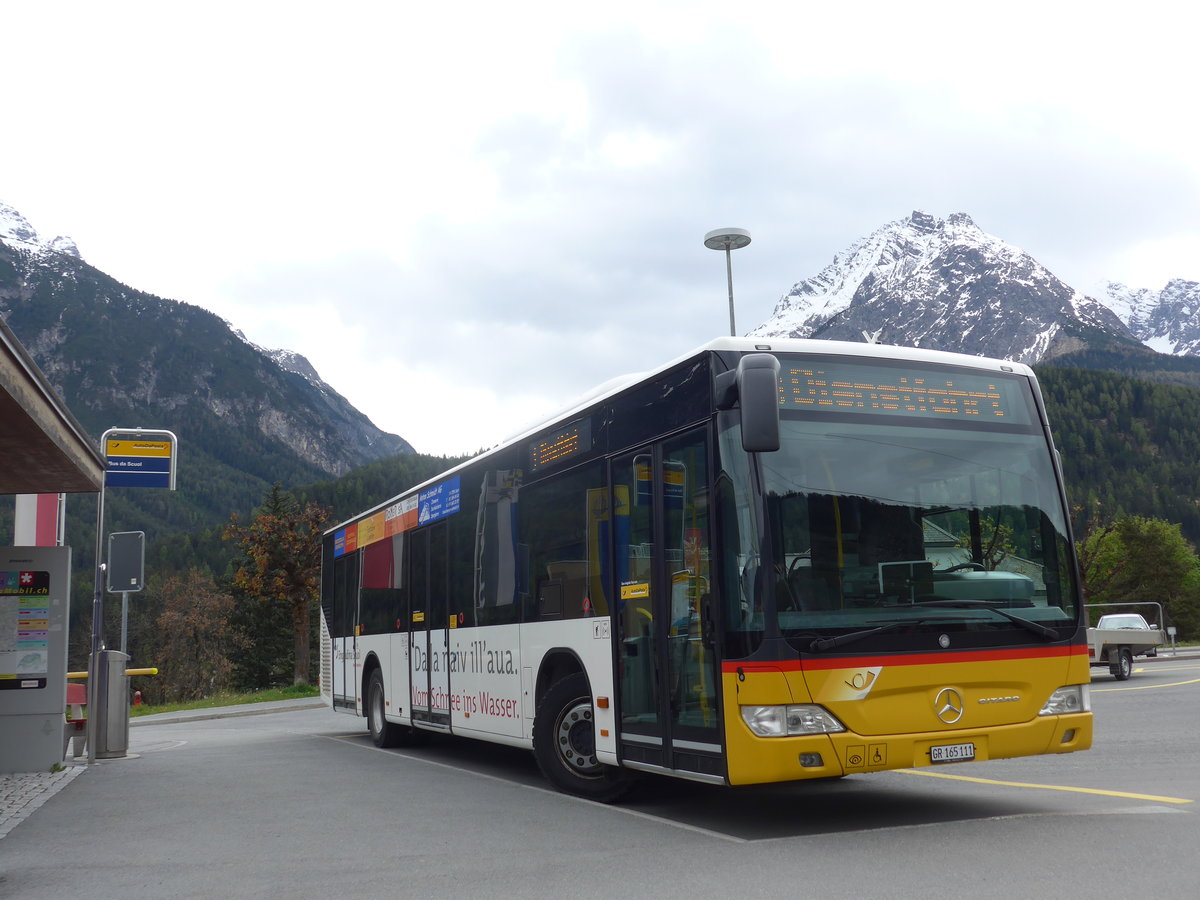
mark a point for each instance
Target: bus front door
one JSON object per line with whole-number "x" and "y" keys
{"x": 428, "y": 648}
{"x": 665, "y": 667}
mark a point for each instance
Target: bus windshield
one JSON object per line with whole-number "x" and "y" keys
{"x": 886, "y": 522}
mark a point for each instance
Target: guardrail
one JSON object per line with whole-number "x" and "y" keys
{"x": 82, "y": 676}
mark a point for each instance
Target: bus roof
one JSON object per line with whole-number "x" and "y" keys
{"x": 732, "y": 344}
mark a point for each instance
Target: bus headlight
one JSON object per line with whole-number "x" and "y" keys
{"x": 1074, "y": 698}
{"x": 783, "y": 721}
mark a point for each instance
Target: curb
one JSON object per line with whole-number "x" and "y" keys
{"x": 226, "y": 712}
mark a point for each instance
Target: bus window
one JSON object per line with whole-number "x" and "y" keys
{"x": 556, "y": 529}
{"x": 381, "y": 596}
{"x": 496, "y": 548}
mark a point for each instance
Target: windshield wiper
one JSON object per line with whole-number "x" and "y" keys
{"x": 821, "y": 644}
{"x": 1036, "y": 627}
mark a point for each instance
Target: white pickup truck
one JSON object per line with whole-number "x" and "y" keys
{"x": 1118, "y": 638}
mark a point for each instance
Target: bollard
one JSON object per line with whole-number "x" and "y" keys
{"x": 108, "y": 724}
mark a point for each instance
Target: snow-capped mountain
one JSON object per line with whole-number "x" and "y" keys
{"x": 948, "y": 285}
{"x": 16, "y": 231}
{"x": 19, "y": 234}
{"x": 118, "y": 354}
{"x": 1167, "y": 321}
{"x": 297, "y": 364}
{"x": 288, "y": 360}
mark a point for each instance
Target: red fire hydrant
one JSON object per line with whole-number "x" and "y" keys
{"x": 137, "y": 698}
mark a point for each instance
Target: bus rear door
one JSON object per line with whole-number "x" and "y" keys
{"x": 428, "y": 639}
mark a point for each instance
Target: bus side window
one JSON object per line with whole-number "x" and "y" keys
{"x": 557, "y": 532}
{"x": 380, "y": 597}
{"x": 495, "y": 551}
{"x": 345, "y": 596}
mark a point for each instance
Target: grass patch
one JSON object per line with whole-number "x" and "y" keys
{"x": 291, "y": 692}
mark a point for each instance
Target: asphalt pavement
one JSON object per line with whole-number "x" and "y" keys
{"x": 22, "y": 794}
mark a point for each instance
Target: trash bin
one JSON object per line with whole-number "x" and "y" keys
{"x": 109, "y": 722}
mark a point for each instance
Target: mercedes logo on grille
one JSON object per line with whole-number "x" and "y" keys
{"x": 948, "y": 705}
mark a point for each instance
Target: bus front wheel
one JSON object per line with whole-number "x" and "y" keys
{"x": 564, "y": 743}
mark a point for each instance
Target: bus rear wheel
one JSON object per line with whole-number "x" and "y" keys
{"x": 564, "y": 743}
{"x": 383, "y": 732}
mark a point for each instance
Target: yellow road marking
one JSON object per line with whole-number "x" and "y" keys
{"x": 1145, "y": 687}
{"x": 1159, "y": 667}
{"x": 1048, "y": 787}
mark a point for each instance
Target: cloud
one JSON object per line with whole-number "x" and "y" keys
{"x": 462, "y": 227}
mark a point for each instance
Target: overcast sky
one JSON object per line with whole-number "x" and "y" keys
{"x": 465, "y": 214}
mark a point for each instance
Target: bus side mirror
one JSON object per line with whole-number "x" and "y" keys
{"x": 754, "y": 386}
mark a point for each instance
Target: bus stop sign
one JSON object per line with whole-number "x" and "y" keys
{"x": 139, "y": 458}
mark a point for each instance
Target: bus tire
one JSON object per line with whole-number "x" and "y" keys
{"x": 383, "y": 732}
{"x": 564, "y": 743}
{"x": 1123, "y": 667}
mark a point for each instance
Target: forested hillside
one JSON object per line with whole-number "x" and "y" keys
{"x": 1128, "y": 446}
{"x": 1136, "y": 362}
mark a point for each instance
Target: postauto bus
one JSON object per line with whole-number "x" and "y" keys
{"x": 763, "y": 561}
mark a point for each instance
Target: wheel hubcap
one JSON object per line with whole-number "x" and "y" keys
{"x": 576, "y": 740}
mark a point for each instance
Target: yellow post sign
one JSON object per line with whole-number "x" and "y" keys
{"x": 134, "y": 461}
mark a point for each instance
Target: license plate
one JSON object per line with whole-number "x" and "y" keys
{"x": 947, "y": 753}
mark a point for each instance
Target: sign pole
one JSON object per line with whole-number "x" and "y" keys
{"x": 137, "y": 457}
{"x": 124, "y": 620}
{"x": 93, "y": 699}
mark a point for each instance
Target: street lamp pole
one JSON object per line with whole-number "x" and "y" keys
{"x": 728, "y": 239}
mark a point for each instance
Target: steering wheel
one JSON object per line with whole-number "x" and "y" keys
{"x": 974, "y": 566}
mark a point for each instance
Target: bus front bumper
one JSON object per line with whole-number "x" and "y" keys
{"x": 757, "y": 760}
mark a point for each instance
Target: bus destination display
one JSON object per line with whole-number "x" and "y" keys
{"x": 911, "y": 392}
{"x": 558, "y": 447}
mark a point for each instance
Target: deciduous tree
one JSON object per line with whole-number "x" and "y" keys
{"x": 281, "y": 564}
{"x": 197, "y": 643}
{"x": 1139, "y": 560}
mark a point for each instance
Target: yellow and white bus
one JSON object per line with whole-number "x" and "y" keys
{"x": 764, "y": 561}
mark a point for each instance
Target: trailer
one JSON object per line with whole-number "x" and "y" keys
{"x": 1118, "y": 638}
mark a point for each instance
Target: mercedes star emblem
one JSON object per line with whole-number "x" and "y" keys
{"x": 948, "y": 705}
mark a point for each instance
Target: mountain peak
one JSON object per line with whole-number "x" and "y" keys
{"x": 16, "y": 231}
{"x": 923, "y": 222}
{"x": 946, "y": 284}
{"x": 1167, "y": 320}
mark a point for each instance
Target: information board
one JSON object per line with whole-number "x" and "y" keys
{"x": 35, "y": 590}
{"x": 24, "y": 629}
